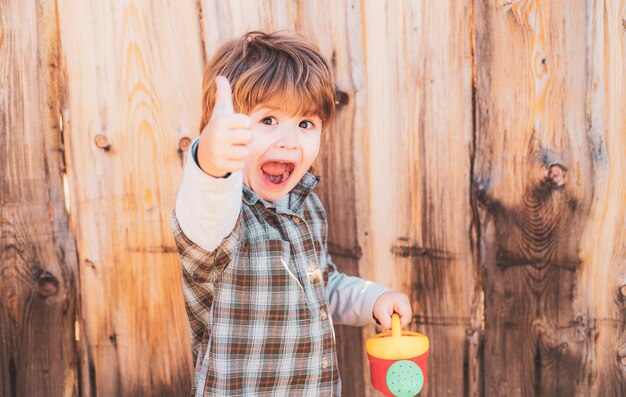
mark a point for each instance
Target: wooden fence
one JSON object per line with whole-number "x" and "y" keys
{"x": 478, "y": 163}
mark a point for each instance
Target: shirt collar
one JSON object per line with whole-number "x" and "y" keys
{"x": 298, "y": 194}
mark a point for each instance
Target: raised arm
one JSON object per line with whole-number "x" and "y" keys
{"x": 206, "y": 207}
{"x": 209, "y": 199}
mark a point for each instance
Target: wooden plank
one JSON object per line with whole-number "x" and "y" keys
{"x": 418, "y": 63}
{"x": 340, "y": 164}
{"x": 549, "y": 154}
{"x": 602, "y": 280}
{"x": 132, "y": 90}
{"x": 38, "y": 268}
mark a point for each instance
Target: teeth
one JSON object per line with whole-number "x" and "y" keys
{"x": 276, "y": 179}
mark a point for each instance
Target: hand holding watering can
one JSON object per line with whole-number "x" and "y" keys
{"x": 398, "y": 360}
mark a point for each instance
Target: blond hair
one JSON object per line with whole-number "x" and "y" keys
{"x": 278, "y": 67}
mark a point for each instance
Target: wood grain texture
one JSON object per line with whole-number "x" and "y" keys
{"x": 419, "y": 96}
{"x": 602, "y": 280}
{"x": 549, "y": 180}
{"x": 476, "y": 163}
{"x": 132, "y": 78}
{"x": 38, "y": 267}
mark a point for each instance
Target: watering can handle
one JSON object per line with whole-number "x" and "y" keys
{"x": 396, "y": 326}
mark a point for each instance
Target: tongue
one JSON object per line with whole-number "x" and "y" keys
{"x": 274, "y": 168}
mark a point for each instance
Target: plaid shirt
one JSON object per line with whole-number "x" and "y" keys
{"x": 261, "y": 305}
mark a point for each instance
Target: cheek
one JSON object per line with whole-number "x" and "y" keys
{"x": 311, "y": 148}
{"x": 257, "y": 148}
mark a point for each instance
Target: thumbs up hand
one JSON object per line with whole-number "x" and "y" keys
{"x": 224, "y": 142}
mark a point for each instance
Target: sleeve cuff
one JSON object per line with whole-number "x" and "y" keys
{"x": 205, "y": 182}
{"x": 206, "y": 207}
{"x": 372, "y": 293}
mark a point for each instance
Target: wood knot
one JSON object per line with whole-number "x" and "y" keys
{"x": 622, "y": 291}
{"x": 102, "y": 142}
{"x": 556, "y": 174}
{"x": 47, "y": 284}
{"x": 183, "y": 144}
{"x": 481, "y": 193}
{"x": 621, "y": 360}
{"x": 341, "y": 99}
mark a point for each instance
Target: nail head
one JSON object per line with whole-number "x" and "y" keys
{"x": 556, "y": 173}
{"x": 102, "y": 142}
{"x": 341, "y": 99}
{"x": 184, "y": 143}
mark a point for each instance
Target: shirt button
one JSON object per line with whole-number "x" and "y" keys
{"x": 296, "y": 219}
{"x": 312, "y": 267}
{"x": 325, "y": 363}
{"x": 323, "y": 314}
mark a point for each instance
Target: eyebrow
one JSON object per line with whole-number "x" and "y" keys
{"x": 275, "y": 108}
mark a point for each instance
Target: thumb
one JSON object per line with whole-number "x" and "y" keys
{"x": 385, "y": 318}
{"x": 223, "y": 96}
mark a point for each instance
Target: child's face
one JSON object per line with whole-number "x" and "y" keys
{"x": 283, "y": 148}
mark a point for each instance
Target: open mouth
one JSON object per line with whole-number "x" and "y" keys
{"x": 277, "y": 172}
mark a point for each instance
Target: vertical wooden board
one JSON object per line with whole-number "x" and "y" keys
{"x": 602, "y": 280}
{"x": 224, "y": 21}
{"x": 418, "y": 59}
{"x": 336, "y": 26}
{"x": 38, "y": 268}
{"x": 526, "y": 63}
{"x": 541, "y": 165}
{"x": 131, "y": 91}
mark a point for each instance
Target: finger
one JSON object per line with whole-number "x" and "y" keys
{"x": 403, "y": 308}
{"x": 238, "y": 137}
{"x": 223, "y": 96}
{"x": 385, "y": 319}
{"x": 405, "y": 317}
{"x": 238, "y": 153}
{"x": 234, "y": 120}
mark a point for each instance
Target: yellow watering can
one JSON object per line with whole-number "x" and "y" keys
{"x": 398, "y": 360}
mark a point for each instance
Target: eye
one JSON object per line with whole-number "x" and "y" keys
{"x": 269, "y": 120}
{"x": 306, "y": 124}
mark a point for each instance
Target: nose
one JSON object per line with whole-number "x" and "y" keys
{"x": 288, "y": 139}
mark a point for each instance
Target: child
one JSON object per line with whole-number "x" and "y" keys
{"x": 261, "y": 291}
